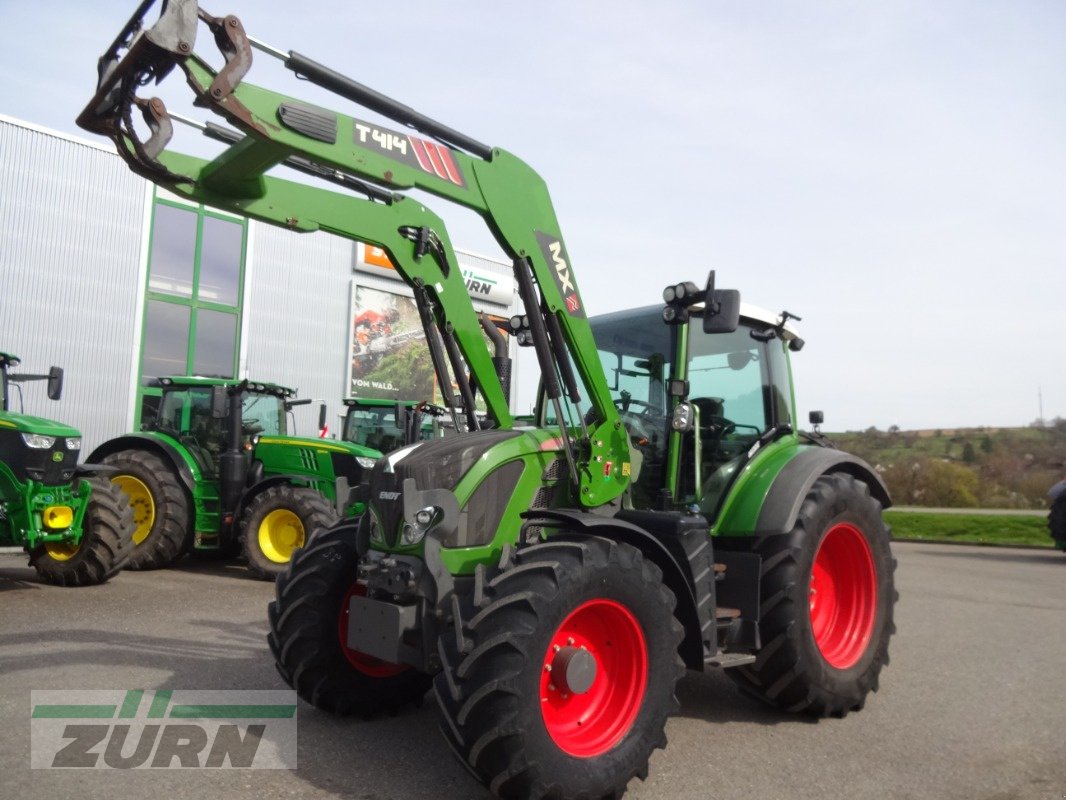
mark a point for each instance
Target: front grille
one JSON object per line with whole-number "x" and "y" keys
{"x": 556, "y": 470}
{"x": 52, "y": 467}
{"x": 434, "y": 464}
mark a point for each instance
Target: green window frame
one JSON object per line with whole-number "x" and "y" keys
{"x": 193, "y": 301}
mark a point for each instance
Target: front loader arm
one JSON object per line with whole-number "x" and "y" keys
{"x": 304, "y": 208}
{"x": 509, "y": 195}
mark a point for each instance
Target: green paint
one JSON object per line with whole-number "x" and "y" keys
{"x": 73, "y": 712}
{"x": 208, "y": 711}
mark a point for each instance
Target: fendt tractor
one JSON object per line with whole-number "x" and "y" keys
{"x": 550, "y": 582}
{"x": 73, "y": 522}
{"x": 216, "y": 471}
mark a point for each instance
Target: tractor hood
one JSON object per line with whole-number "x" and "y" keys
{"x": 26, "y": 423}
{"x": 329, "y": 445}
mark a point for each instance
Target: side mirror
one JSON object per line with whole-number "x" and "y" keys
{"x": 55, "y": 383}
{"x": 219, "y": 402}
{"x": 816, "y": 417}
{"x": 722, "y": 312}
{"x": 322, "y": 417}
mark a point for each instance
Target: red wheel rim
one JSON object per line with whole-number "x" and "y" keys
{"x": 591, "y": 722}
{"x": 368, "y": 665}
{"x": 843, "y": 596}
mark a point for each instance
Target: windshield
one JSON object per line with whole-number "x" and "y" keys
{"x": 375, "y": 426}
{"x": 263, "y": 414}
{"x": 636, "y": 352}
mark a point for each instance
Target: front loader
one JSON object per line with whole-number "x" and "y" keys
{"x": 552, "y": 583}
{"x": 75, "y": 525}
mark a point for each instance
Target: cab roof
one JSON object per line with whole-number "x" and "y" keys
{"x": 198, "y": 381}
{"x": 748, "y": 312}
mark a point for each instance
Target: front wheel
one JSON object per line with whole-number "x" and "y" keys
{"x": 104, "y": 547}
{"x": 827, "y": 604}
{"x": 560, "y": 684}
{"x": 277, "y": 523}
{"x": 309, "y": 633}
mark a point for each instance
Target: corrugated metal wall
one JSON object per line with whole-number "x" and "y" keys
{"x": 296, "y": 326}
{"x": 71, "y": 223}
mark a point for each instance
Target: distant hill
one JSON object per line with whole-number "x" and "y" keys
{"x": 964, "y": 467}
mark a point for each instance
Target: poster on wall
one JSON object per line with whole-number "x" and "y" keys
{"x": 389, "y": 357}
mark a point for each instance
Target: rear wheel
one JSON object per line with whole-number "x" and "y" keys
{"x": 105, "y": 542}
{"x": 309, "y": 631}
{"x": 560, "y": 684}
{"x": 278, "y": 522}
{"x": 163, "y": 531}
{"x": 827, "y": 604}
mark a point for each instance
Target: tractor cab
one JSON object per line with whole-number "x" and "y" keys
{"x": 695, "y": 403}
{"x": 387, "y": 425}
{"x": 197, "y": 413}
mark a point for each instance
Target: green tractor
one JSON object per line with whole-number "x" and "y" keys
{"x": 387, "y": 425}
{"x": 551, "y": 583}
{"x": 216, "y": 471}
{"x": 74, "y": 524}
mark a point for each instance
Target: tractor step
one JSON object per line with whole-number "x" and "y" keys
{"x": 726, "y": 660}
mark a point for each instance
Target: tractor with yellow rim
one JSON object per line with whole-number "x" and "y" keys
{"x": 216, "y": 470}
{"x": 72, "y": 521}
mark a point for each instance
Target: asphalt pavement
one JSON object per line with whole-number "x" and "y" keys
{"x": 973, "y": 704}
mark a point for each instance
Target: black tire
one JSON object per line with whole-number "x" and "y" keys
{"x": 494, "y": 672}
{"x": 105, "y": 544}
{"x": 305, "y": 620}
{"x": 792, "y": 671}
{"x": 1056, "y": 522}
{"x": 163, "y": 530}
{"x": 278, "y": 521}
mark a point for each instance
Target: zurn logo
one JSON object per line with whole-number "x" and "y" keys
{"x": 162, "y": 729}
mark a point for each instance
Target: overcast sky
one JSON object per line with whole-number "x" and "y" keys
{"x": 892, "y": 172}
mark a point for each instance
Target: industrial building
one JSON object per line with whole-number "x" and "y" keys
{"x": 119, "y": 282}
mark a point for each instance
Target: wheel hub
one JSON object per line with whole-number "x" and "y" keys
{"x": 594, "y": 674}
{"x": 574, "y": 669}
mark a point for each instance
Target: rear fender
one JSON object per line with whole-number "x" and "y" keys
{"x": 790, "y": 487}
{"x": 168, "y": 449}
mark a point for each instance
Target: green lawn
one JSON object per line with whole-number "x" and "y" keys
{"x": 972, "y": 528}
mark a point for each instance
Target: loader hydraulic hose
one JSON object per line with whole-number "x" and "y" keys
{"x": 500, "y": 361}
{"x": 365, "y": 96}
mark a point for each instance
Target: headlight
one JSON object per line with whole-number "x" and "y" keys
{"x": 682, "y": 420}
{"x": 365, "y": 463}
{"x": 424, "y": 519}
{"x": 74, "y": 444}
{"x": 38, "y": 442}
{"x": 376, "y": 534}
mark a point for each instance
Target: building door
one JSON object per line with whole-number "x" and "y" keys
{"x": 193, "y": 302}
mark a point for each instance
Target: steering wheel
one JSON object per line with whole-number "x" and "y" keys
{"x": 251, "y": 426}
{"x": 640, "y": 424}
{"x": 718, "y": 426}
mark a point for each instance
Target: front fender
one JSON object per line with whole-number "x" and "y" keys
{"x": 680, "y": 578}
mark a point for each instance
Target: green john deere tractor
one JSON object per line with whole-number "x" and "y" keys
{"x": 387, "y": 425}
{"x": 74, "y": 524}
{"x": 217, "y": 471}
{"x": 551, "y": 583}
